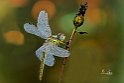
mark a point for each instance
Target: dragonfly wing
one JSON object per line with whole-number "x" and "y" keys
{"x": 43, "y": 25}
{"x": 49, "y": 61}
{"x": 39, "y": 52}
{"x": 33, "y": 30}
{"x": 60, "y": 52}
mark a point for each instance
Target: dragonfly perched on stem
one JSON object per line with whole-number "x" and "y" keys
{"x": 50, "y": 47}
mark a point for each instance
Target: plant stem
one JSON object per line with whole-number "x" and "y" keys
{"x": 65, "y": 59}
{"x": 78, "y": 21}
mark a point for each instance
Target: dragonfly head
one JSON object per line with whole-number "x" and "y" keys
{"x": 61, "y": 36}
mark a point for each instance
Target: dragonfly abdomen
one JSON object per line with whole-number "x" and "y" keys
{"x": 42, "y": 66}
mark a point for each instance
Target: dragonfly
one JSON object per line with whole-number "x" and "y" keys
{"x": 50, "y": 47}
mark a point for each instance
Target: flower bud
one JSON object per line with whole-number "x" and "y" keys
{"x": 79, "y": 18}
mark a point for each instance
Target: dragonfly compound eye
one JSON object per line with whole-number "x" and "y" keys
{"x": 62, "y": 37}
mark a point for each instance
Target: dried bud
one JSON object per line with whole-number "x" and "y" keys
{"x": 79, "y": 18}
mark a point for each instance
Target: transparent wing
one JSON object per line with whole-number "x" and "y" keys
{"x": 44, "y": 48}
{"x": 43, "y": 25}
{"x": 60, "y": 52}
{"x": 39, "y": 52}
{"x": 49, "y": 60}
{"x": 33, "y": 30}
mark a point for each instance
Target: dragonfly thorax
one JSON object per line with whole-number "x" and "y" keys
{"x": 53, "y": 41}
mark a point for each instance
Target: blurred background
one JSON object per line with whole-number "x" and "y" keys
{"x": 101, "y": 49}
